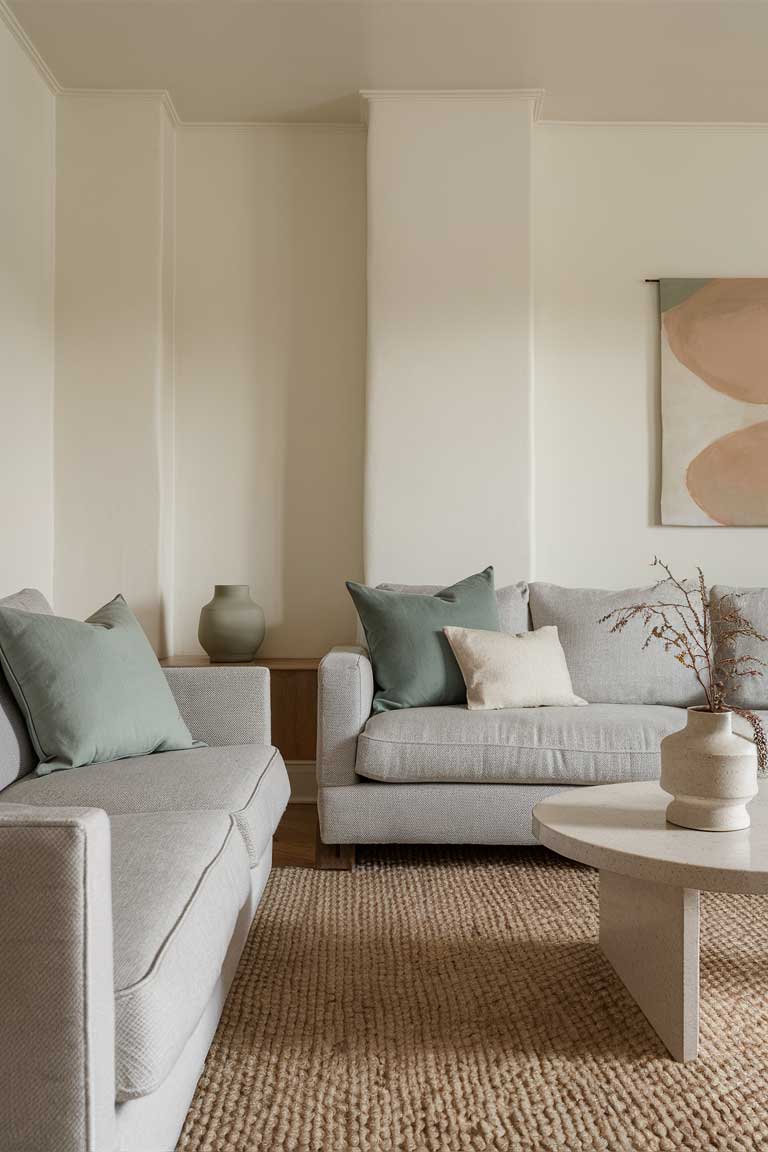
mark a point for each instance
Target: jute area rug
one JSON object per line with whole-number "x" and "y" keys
{"x": 455, "y": 1000}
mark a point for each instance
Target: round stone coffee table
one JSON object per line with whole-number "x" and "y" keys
{"x": 651, "y": 873}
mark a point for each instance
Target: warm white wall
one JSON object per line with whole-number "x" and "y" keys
{"x": 258, "y": 309}
{"x": 114, "y": 218}
{"x": 27, "y": 125}
{"x": 270, "y": 301}
{"x": 448, "y": 387}
{"x": 613, "y": 205}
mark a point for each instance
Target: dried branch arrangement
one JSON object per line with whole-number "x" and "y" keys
{"x": 700, "y": 632}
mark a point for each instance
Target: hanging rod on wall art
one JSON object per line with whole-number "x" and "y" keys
{"x": 656, "y": 281}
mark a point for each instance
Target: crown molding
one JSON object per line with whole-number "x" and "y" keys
{"x": 14, "y": 27}
{"x": 164, "y": 96}
{"x": 247, "y": 125}
{"x": 534, "y": 95}
{"x": 160, "y": 94}
{"x": 704, "y": 125}
{"x": 367, "y": 95}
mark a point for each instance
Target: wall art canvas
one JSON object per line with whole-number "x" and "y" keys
{"x": 714, "y": 401}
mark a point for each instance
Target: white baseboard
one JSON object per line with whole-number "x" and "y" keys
{"x": 301, "y": 774}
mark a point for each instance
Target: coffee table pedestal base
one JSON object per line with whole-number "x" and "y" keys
{"x": 650, "y": 934}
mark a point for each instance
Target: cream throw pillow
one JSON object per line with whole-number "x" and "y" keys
{"x": 504, "y": 671}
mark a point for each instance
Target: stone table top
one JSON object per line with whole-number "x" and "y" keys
{"x": 622, "y": 828}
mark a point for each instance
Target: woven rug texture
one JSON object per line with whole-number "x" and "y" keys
{"x": 455, "y": 1000}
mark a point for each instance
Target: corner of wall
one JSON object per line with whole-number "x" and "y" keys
{"x": 8, "y": 18}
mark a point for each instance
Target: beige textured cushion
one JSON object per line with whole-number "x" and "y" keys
{"x": 503, "y": 671}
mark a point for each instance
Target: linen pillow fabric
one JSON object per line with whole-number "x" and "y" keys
{"x": 89, "y": 692}
{"x": 17, "y": 756}
{"x": 748, "y": 692}
{"x": 512, "y": 602}
{"x": 606, "y": 668}
{"x": 413, "y": 665}
{"x": 503, "y": 671}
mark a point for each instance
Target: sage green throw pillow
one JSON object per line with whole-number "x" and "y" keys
{"x": 413, "y": 665}
{"x": 91, "y": 691}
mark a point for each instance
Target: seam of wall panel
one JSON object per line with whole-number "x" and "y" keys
{"x": 531, "y": 574}
{"x": 171, "y": 617}
{"x": 166, "y": 525}
{"x": 52, "y": 404}
{"x": 367, "y": 402}
{"x": 174, "y": 462}
{"x": 159, "y": 397}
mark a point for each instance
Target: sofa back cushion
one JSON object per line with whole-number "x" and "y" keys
{"x": 413, "y": 665}
{"x": 89, "y": 691}
{"x": 17, "y": 756}
{"x": 611, "y": 668}
{"x": 512, "y": 603}
{"x": 749, "y": 692}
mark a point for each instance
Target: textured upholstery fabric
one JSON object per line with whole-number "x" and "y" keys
{"x": 753, "y": 602}
{"x": 605, "y": 668}
{"x": 598, "y": 744}
{"x": 179, "y": 881}
{"x": 27, "y": 600}
{"x": 503, "y": 671}
{"x": 742, "y": 726}
{"x": 17, "y": 756}
{"x": 162, "y": 1112}
{"x": 223, "y": 705}
{"x": 398, "y": 625}
{"x": 512, "y": 602}
{"x": 56, "y": 993}
{"x": 91, "y": 690}
{"x": 250, "y": 782}
{"x": 345, "y": 695}
{"x": 369, "y": 813}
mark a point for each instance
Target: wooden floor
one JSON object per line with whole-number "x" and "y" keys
{"x": 294, "y": 842}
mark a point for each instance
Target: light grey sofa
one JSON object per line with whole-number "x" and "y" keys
{"x": 448, "y": 775}
{"x": 128, "y": 890}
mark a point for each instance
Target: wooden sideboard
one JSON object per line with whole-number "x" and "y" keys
{"x": 293, "y": 690}
{"x": 293, "y": 684}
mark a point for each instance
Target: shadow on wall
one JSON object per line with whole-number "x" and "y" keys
{"x": 653, "y": 359}
{"x": 323, "y": 396}
{"x": 153, "y": 617}
{"x": 270, "y": 377}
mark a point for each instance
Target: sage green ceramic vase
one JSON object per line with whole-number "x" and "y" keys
{"x": 231, "y": 626}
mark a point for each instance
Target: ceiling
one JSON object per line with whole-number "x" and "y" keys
{"x": 306, "y": 60}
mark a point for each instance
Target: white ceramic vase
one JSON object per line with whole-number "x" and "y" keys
{"x": 710, "y": 772}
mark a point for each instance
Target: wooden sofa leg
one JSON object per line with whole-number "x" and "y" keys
{"x": 333, "y": 857}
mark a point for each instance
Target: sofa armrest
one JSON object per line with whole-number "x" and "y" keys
{"x": 57, "y": 1036}
{"x": 223, "y": 705}
{"x": 345, "y": 695}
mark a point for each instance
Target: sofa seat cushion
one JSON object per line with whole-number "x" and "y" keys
{"x": 598, "y": 744}
{"x": 249, "y": 781}
{"x": 180, "y": 880}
